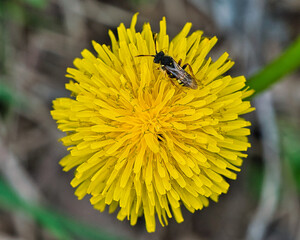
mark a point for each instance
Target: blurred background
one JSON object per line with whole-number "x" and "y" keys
{"x": 40, "y": 38}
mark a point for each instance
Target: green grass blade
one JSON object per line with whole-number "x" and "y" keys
{"x": 10, "y": 200}
{"x": 283, "y": 65}
{"x": 62, "y": 227}
{"x": 7, "y": 95}
{"x": 290, "y": 134}
{"x": 37, "y": 3}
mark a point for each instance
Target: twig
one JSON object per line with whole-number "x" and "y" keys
{"x": 272, "y": 173}
{"x": 15, "y": 174}
{"x": 19, "y": 179}
{"x": 3, "y": 236}
{"x": 266, "y": 118}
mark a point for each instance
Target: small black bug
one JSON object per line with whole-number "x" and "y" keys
{"x": 173, "y": 69}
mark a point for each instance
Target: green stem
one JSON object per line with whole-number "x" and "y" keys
{"x": 283, "y": 65}
{"x": 62, "y": 227}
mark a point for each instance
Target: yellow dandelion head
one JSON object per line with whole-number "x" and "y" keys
{"x": 143, "y": 144}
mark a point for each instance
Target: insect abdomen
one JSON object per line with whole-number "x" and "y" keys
{"x": 180, "y": 82}
{"x": 183, "y": 80}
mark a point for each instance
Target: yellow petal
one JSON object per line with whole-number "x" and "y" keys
{"x": 151, "y": 142}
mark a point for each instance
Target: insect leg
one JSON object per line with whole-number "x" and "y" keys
{"x": 190, "y": 68}
{"x": 167, "y": 75}
{"x": 154, "y": 39}
{"x": 170, "y": 79}
{"x": 173, "y": 83}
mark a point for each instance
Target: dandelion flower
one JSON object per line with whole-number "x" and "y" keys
{"x": 143, "y": 144}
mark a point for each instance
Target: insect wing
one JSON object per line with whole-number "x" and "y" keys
{"x": 178, "y": 73}
{"x": 192, "y": 82}
{"x": 181, "y": 75}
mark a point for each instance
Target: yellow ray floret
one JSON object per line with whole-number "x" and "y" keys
{"x": 145, "y": 145}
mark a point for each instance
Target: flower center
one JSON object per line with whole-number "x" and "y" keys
{"x": 149, "y": 123}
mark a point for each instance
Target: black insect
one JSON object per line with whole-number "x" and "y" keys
{"x": 174, "y": 70}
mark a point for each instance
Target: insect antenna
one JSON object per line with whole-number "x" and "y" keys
{"x": 145, "y": 56}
